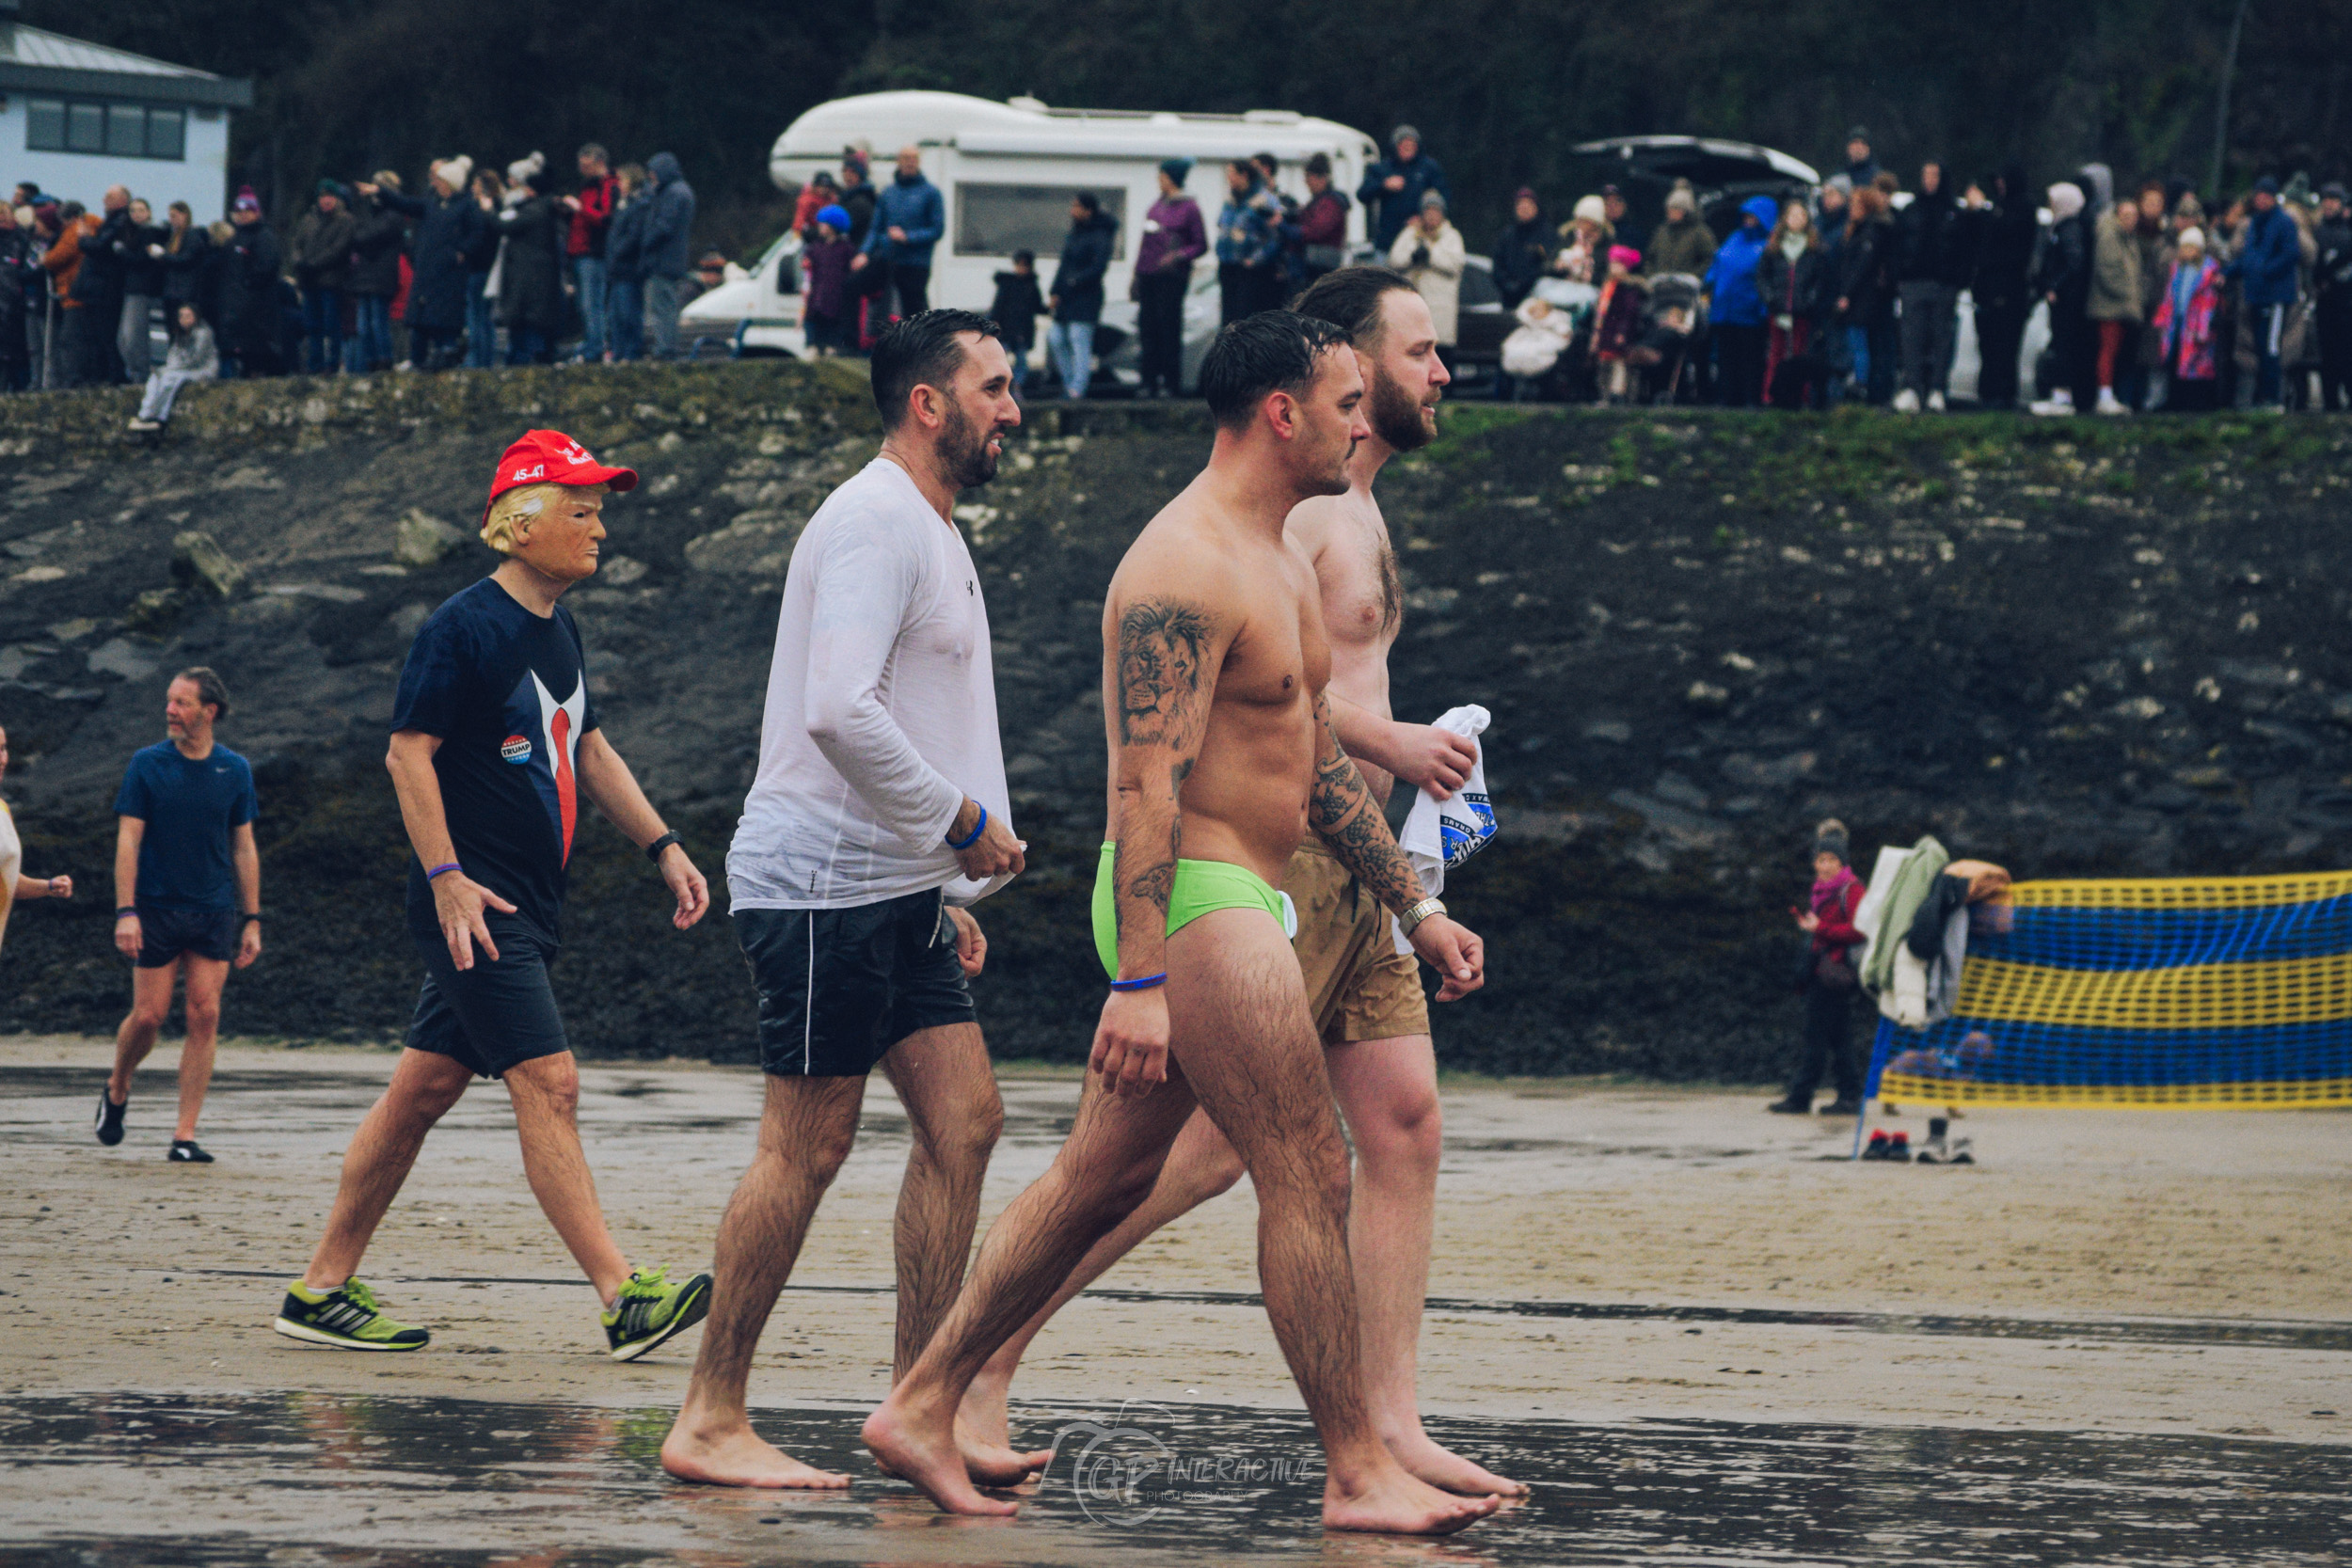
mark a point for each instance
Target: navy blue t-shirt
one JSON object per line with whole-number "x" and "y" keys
{"x": 189, "y": 808}
{"x": 507, "y": 693}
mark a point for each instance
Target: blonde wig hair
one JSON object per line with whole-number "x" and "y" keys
{"x": 520, "y": 505}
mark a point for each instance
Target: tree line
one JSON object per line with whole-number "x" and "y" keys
{"x": 1501, "y": 90}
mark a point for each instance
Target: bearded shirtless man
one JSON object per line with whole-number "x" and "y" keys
{"x": 1366, "y": 997}
{"x": 1222, "y": 758}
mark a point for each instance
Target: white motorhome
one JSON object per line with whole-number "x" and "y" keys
{"x": 1008, "y": 172}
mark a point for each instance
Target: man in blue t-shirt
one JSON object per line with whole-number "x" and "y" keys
{"x": 184, "y": 869}
{"x": 494, "y": 746}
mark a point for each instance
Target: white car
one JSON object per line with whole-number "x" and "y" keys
{"x": 755, "y": 312}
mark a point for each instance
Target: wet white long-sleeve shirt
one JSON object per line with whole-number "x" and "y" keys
{"x": 882, "y": 708}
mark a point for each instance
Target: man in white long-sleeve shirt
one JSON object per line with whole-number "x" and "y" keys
{"x": 879, "y": 810}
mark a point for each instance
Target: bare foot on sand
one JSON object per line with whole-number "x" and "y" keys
{"x": 989, "y": 1464}
{"x": 985, "y": 1411}
{"x": 1425, "y": 1460}
{"x": 740, "y": 1458}
{"x": 929, "y": 1459}
{"x": 996, "y": 1463}
{"x": 1393, "y": 1503}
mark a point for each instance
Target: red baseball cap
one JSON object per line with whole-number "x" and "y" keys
{"x": 551, "y": 457}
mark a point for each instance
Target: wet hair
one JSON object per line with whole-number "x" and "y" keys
{"x": 1248, "y": 361}
{"x": 210, "y": 688}
{"x": 922, "y": 351}
{"x": 1349, "y": 298}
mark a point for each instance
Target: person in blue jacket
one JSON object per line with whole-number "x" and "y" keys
{"x": 663, "y": 247}
{"x": 1393, "y": 187}
{"x": 1077, "y": 297}
{"x": 2267, "y": 265}
{"x": 909, "y": 215}
{"x": 1736, "y": 314}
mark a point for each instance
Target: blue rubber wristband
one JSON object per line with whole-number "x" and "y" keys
{"x": 978, "y": 829}
{"x": 438, "y": 869}
{"x": 1147, "y": 982}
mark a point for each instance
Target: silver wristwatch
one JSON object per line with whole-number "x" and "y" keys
{"x": 1410, "y": 920}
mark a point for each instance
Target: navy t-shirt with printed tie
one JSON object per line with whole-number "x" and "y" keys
{"x": 507, "y": 693}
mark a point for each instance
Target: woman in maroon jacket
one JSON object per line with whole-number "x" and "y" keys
{"x": 1173, "y": 238}
{"x": 1833, "y": 960}
{"x": 1322, "y": 225}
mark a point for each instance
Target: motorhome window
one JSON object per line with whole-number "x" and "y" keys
{"x": 998, "y": 220}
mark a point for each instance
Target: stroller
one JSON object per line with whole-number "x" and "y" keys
{"x": 1673, "y": 328}
{"x": 1555, "y": 316}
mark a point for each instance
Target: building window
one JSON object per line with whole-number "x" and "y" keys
{"x": 998, "y": 220}
{"x": 116, "y": 130}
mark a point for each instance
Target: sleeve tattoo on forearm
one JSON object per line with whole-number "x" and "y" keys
{"x": 1341, "y": 810}
{"x": 1162, "y": 645}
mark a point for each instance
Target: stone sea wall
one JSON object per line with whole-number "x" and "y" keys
{"x": 2078, "y": 648}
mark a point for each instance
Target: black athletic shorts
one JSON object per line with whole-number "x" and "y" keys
{"x": 838, "y": 988}
{"x": 495, "y": 1014}
{"x": 164, "y": 934}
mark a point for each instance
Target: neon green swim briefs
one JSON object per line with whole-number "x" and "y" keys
{"x": 1202, "y": 886}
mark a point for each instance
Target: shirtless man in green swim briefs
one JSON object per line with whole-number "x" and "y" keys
{"x": 1366, "y": 997}
{"x": 1222, "y": 759}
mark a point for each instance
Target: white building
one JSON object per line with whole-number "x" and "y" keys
{"x": 76, "y": 117}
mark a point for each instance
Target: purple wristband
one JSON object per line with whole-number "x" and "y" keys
{"x": 438, "y": 869}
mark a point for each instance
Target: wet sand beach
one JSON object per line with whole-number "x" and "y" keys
{"x": 1622, "y": 1275}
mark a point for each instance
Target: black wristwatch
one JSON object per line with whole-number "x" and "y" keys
{"x": 652, "y": 850}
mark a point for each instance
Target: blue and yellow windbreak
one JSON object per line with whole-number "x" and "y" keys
{"x": 2203, "y": 993}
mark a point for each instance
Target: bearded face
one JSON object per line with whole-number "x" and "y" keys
{"x": 963, "y": 448}
{"x": 1403, "y": 420}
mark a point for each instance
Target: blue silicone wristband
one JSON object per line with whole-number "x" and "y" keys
{"x": 438, "y": 870}
{"x": 1146, "y": 983}
{"x": 978, "y": 829}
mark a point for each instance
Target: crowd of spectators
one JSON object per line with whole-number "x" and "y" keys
{"x": 472, "y": 269}
{"x": 1853, "y": 291}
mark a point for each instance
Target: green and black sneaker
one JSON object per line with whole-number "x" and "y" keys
{"x": 345, "y": 1318}
{"x": 650, "y": 1311}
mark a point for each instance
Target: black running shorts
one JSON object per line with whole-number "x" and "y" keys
{"x": 495, "y": 1014}
{"x": 838, "y": 988}
{"x": 164, "y": 934}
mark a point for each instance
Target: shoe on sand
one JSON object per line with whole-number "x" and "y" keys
{"x": 1842, "y": 1108}
{"x": 650, "y": 1309}
{"x": 109, "y": 1123}
{"x": 346, "y": 1318}
{"x": 187, "y": 1152}
{"x": 1789, "y": 1105}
